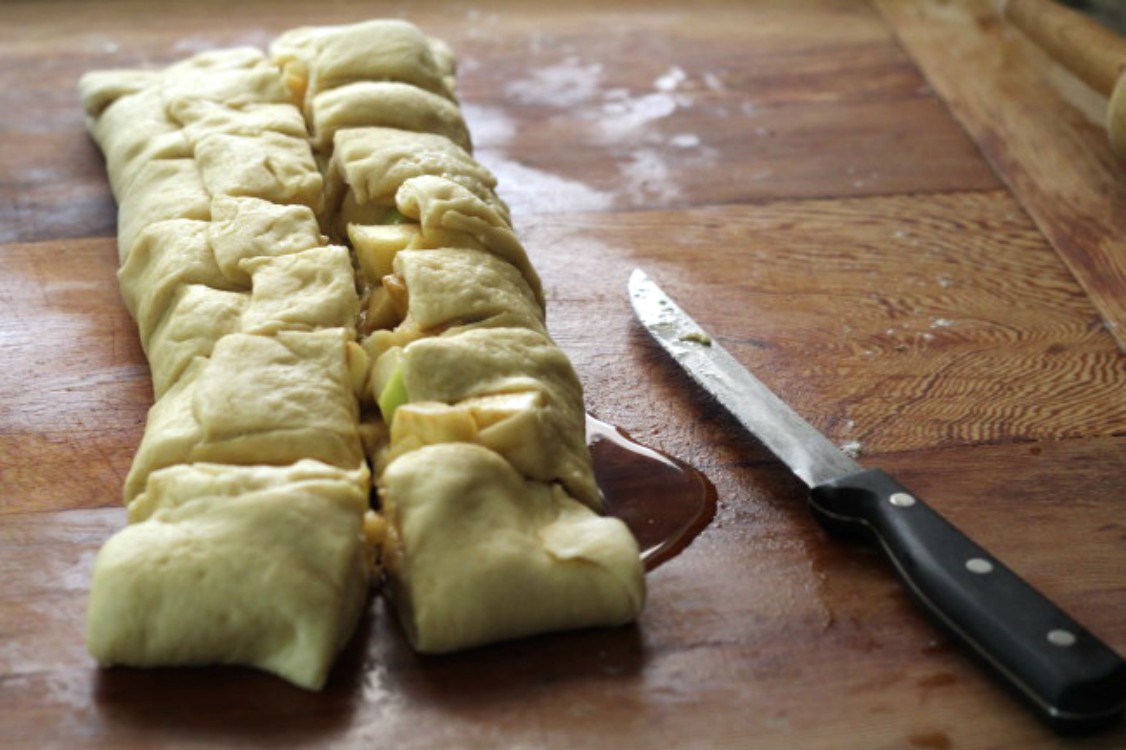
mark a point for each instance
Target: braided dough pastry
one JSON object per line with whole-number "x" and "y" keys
{"x": 327, "y": 287}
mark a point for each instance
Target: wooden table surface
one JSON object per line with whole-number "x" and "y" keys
{"x": 899, "y": 214}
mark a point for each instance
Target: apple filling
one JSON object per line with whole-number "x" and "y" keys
{"x": 324, "y": 279}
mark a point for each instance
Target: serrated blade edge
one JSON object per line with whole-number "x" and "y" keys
{"x": 808, "y": 453}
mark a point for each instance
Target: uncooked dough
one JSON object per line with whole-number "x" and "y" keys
{"x": 324, "y": 280}
{"x": 478, "y": 553}
{"x": 263, "y": 566}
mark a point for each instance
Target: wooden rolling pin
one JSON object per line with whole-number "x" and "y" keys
{"x": 1092, "y": 52}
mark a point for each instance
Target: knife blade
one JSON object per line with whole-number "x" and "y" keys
{"x": 1067, "y": 675}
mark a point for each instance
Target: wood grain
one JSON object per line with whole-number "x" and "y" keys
{"x": 902, "y": 323}
{"x": 1094, "y": 53}
{"x": 799, "y": 620}
{"x": 658, "y": 111}
{"x": 929, "y": 321}
{"x": 1032, "y": 121}
{"x": 784, "y": 169}
{"x": 75, "y": 386}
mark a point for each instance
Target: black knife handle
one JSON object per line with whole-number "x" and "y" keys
{"x": 1071, "y": 678}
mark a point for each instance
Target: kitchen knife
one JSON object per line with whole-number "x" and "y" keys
{"x": 1067, "y": 675}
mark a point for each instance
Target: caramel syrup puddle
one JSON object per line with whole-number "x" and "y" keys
{"x": 665, "y": 502}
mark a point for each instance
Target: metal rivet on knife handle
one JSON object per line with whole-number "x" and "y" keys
{"x": 979, "y": 565}
{"x": 901, "y": 500}
{"x": 1074, "y": 681}
{"x": 1061, "y": 638}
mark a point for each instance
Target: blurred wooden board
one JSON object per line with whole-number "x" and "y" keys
{"x": 588, "y": 107}
{"x": 785, "y": 171}
{"x": 1041, "y": 128}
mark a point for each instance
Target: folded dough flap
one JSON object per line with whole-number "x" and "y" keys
{"x": 228, "y": 59}
{"x": 303, "y": 291}
{"x": 101, "y": 88}
{"x": 271, "y": 166}
{"x": 162, "y": 190}
{"x": 259, "y": 566}
{"x": 376, "y": 245}
{"x": 478, "y": 554}
{"x": 370, "y": 164}
{"x": 135, "y": 116}
{"x": 236, "y": 77}
{"x": 386, "y": 104}
{"x": 508, "y": 424}
{"x": 166, "y": 256}
{"x": 451, "y": 286}
{"x": 277, "y": 399}
{"x": 447, "y": 207}
{"x": 257, "y": 400}
{"x": 196, "y": 318}
{"x": 201, "y": 118}
{"x": 171, "y": 433}
{"x": 244, "y": 227}
{"x": 439, "y": 290}
{"x": 133, "y": 130}
{"x": 316, "y": 59}
{"x": 543, "y": 436}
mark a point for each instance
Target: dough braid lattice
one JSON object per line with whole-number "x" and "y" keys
{"x": 327, "y": 286}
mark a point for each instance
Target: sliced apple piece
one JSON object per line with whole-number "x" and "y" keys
{"x": 377, "y": 244}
